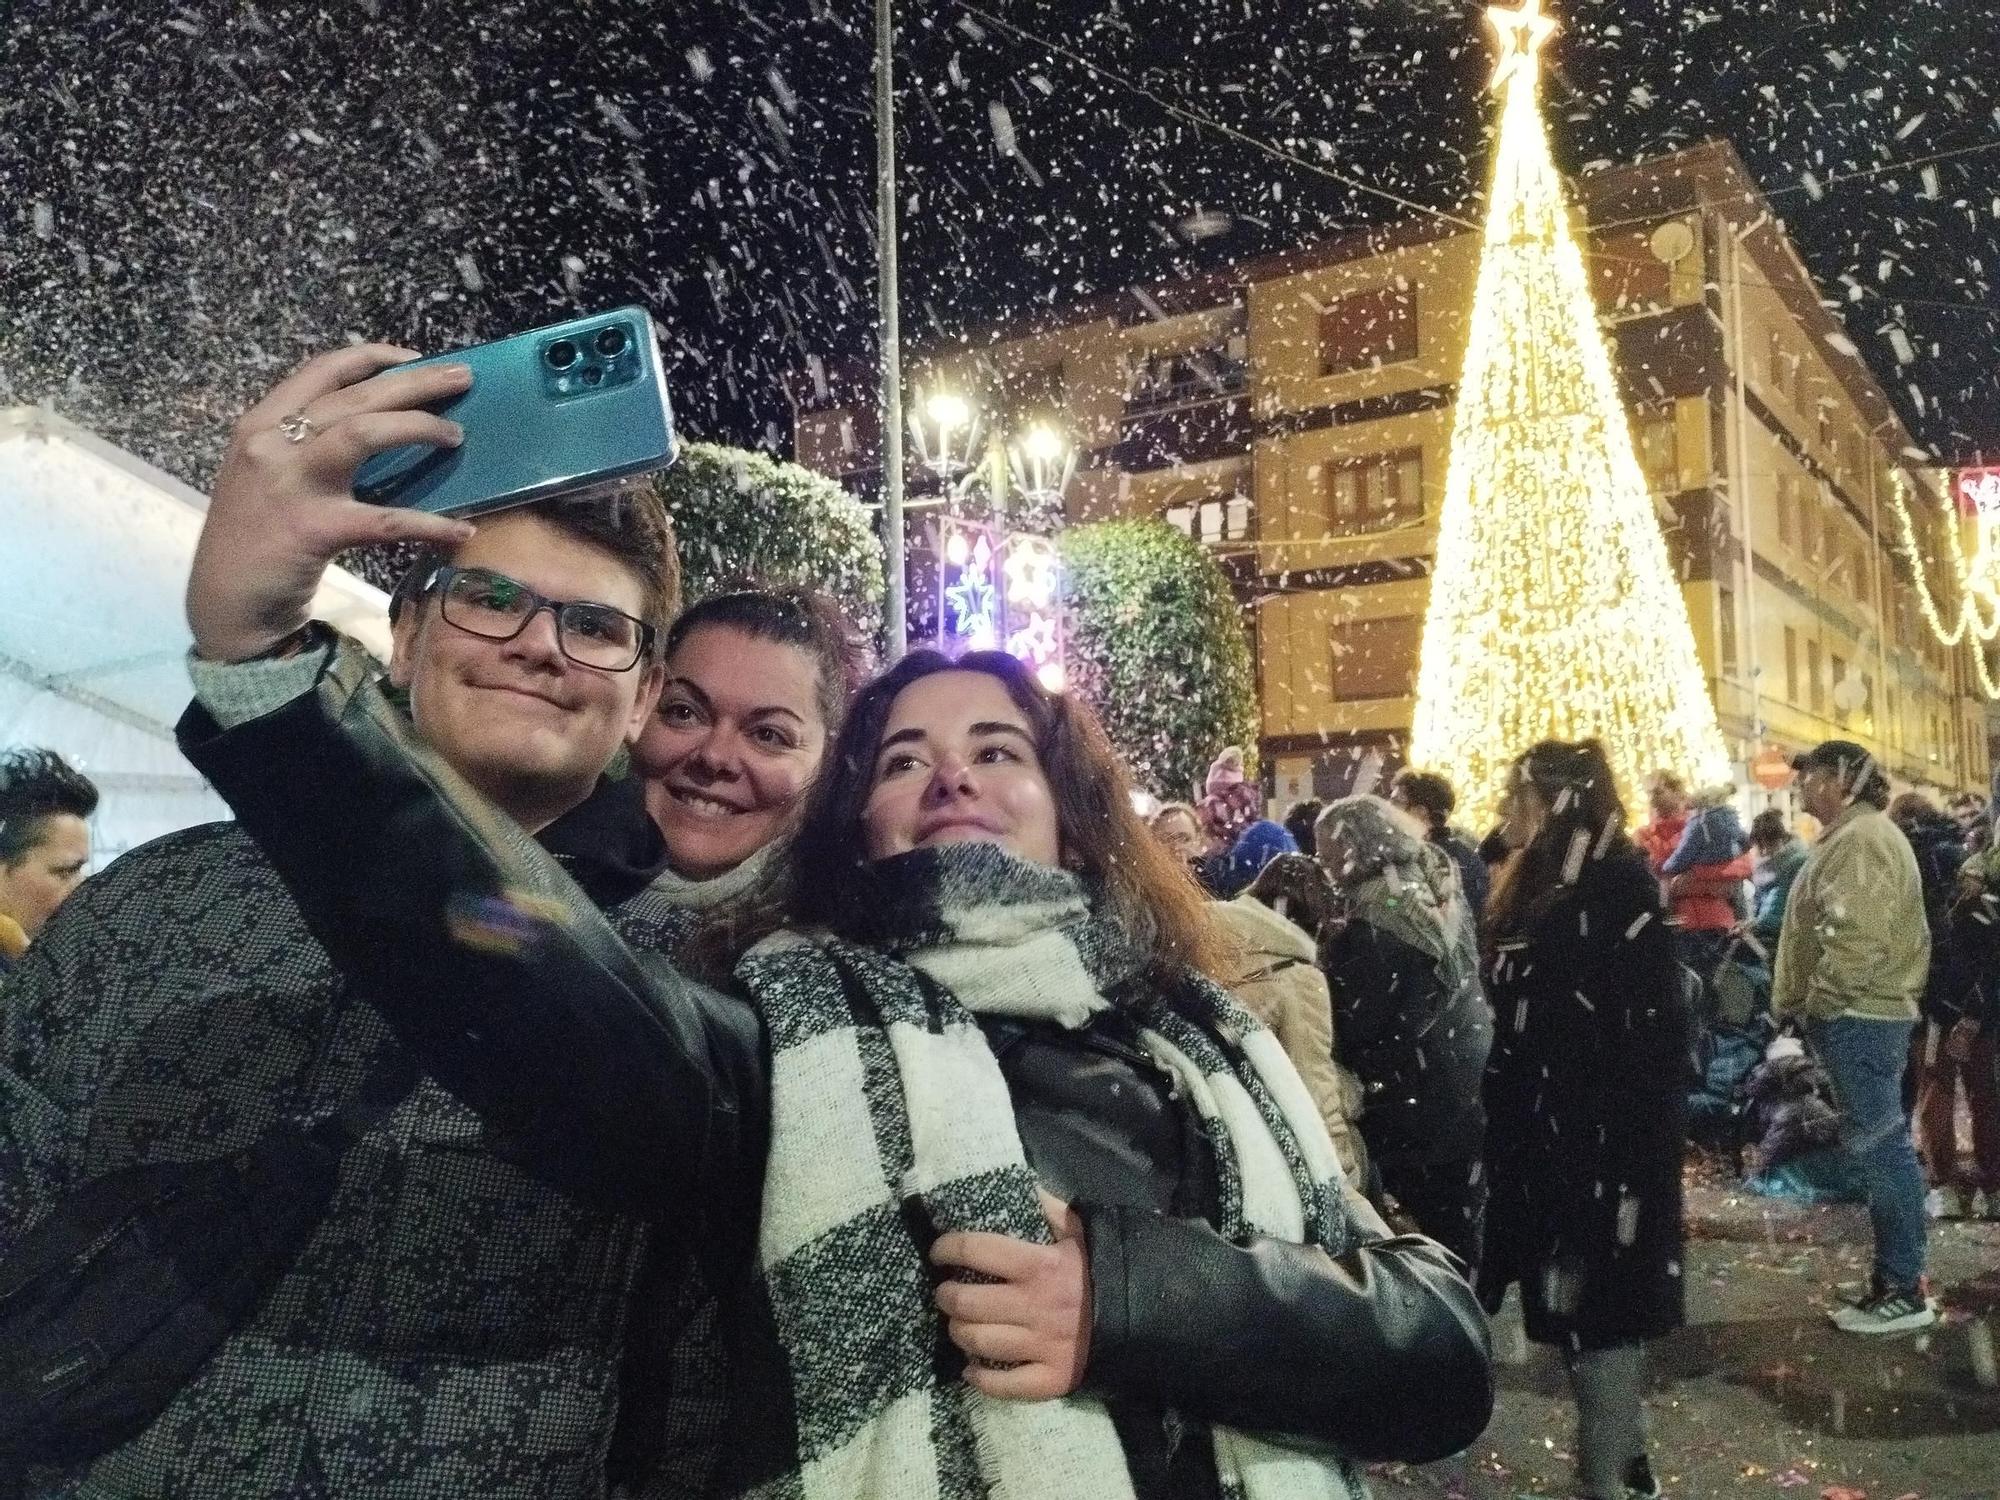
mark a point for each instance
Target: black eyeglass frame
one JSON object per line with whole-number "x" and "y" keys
{"x": 440, "y": 582}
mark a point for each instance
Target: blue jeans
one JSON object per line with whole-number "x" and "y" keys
{"x": 1865, "y": 1061}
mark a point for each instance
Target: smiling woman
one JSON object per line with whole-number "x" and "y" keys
{"x": 757, "y": 681}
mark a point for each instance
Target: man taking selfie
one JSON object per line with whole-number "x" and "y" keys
{"x": 450, "y": 1326}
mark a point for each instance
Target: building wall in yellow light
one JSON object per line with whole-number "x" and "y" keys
{"x": 1285, "y": 314}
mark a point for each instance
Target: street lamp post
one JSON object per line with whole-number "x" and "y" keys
{"x": 890, "y": 324}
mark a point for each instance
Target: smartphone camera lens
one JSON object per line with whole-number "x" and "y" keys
{"x": 593, "y": 374}
{"x": 611, "y": 342}
{"x": 562, "y": 354}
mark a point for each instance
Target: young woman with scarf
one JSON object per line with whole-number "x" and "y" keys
{"x": 1008, "y": 1196}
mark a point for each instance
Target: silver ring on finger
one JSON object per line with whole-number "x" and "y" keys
{"x": 298, "y": 427}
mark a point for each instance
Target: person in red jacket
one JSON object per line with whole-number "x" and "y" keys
{"x": 1704, "y": 901}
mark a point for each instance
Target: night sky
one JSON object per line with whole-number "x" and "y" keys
{"x": 196, "y": 198}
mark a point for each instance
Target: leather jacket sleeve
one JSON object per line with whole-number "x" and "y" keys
{"x": 1383, "y": 1352}
{"x": 616, "y": 1078}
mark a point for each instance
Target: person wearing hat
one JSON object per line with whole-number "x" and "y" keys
{"x": 1852, "y": 960}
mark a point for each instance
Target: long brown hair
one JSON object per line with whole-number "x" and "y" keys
{"x": 1586, "y": 821}
{"x": 1131, "y": 877}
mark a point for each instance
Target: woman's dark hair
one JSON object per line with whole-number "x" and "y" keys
{"x": 1298, "y": 881}
{"x": 1586, "y": 821}
{"x": 1132, "y": 878}
{"x": 791, "y": 615}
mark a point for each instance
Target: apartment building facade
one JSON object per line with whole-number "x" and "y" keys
{"x": 1295, "y": 414}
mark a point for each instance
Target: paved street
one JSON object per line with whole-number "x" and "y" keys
{"x": 1759, "y": 1396}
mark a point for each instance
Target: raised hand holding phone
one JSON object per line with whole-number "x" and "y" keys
{"x": 283, "y": 505}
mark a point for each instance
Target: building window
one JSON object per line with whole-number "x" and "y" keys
{"x": 1786, "y": 506}
{"x": 1659, "y": 449}
{"x": 1375, "y": 494}
{"x": 1223, "y": 519}
{"x": 1823, "y": 429}
{"x": 1376, "y": 659}
{"x": 1778, "y": 365}
{"x": 1868, "y": 694}
{"x": 1809, "y": 527}
{"x": 1837, "y": 673}
{"x": 1175, "y": 379}
{"x": 1725, "y": 635}
{"x": 1791, "y": 666}
{"x": 1367, "y": 329}
{"x": 1815, "y": 687}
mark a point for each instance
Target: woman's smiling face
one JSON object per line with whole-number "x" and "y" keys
{"x": 736, "y": 741}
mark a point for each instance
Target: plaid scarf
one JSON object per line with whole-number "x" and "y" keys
{"x": 891, "y": 1123}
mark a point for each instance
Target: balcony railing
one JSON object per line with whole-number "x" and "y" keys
{"x": 1196, "y": 433}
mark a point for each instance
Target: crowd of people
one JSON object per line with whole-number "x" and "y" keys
{"x": 621, "y": 1049}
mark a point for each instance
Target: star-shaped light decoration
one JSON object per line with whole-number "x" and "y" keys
{"x": 1035, "y": 642}
{"x": 1522, "y": 33}
{"x": 974, "y": 600}
{"x": 1030, "y": 569}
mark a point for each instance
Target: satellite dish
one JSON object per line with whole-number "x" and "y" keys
{"x": 1848, "y": 694}
{"x": 1671, "y": 241}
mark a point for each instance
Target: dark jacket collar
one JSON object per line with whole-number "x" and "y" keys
{"x": 609, "y": 843}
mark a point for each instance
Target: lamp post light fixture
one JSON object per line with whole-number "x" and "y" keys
{"x": 998, "y": 588}
{"x": 947, "y": 430}
{"x": 1044, "y": 462}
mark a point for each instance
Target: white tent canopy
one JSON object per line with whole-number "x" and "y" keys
{"x": 94, "y": 554}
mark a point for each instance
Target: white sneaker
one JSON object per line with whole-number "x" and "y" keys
{"x": 1888, "y": 1312}
{"x": 1934, "y": 1204}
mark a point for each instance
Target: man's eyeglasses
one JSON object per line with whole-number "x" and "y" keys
{"x": 492, "y": 605}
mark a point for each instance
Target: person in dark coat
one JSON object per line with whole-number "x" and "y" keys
{"x": 1951, "y": 1002}
{"x": 1585, "y": 1100}
{"x": 1430, "y": 797}
{"x": 1403, "y": 965}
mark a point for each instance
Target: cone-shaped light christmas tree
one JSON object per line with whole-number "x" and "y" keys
{"x": 1554, "y": 612}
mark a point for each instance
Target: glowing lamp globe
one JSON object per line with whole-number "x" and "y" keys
{"x": 948, "y": 411}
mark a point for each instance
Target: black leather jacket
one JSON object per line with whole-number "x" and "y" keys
{"x": 624, "y": 1081}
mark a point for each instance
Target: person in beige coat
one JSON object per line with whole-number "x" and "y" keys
{"x": 1853, "y": 957}
{"x": 1271, "y": 930}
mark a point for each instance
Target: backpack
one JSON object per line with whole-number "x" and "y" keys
{"x": 112, "y": 1303}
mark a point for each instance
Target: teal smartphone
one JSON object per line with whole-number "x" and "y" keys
{"x": 549, "y": 411}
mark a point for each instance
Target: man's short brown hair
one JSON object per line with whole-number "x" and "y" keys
{"x": 624, "y": 519}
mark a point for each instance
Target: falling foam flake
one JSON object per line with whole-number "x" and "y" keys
{"x": 1003, "y": 127}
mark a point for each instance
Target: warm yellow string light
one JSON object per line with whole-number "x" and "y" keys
{"x": 1554, "y": 609}
{"x": 1978, "y": 583}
